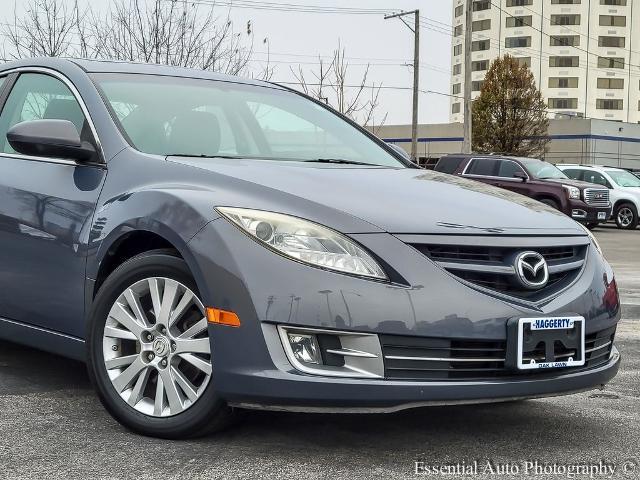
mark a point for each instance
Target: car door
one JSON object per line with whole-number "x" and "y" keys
{"x": 507, "y": 171}
{"x": 46, "y": 207}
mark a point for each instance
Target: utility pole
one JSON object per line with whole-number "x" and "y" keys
{"x": 468, "y": 133}
{"x": 416, "y": 75}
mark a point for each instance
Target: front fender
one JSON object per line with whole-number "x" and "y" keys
{"x": 168, "y": 213}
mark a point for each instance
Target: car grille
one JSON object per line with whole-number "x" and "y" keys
{"x": 596, "y": 197}
{"x": 423, "y": 358}
{"x": 492, "y": 267}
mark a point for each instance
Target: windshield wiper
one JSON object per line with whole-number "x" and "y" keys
{"x": 202, "y": 155}
{"x": 341, "y": 161}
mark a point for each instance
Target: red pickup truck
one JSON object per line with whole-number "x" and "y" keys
{"x": 585, "y": 202}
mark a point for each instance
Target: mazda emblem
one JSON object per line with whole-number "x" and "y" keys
{"x": 532, "y": 270}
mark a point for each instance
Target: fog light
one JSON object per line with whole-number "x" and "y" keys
{"x": 305, "y": 348}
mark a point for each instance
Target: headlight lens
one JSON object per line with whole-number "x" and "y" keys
{"x": 593, "y": 239}
{"x": 305, "y": 241}
{"x": 573, "y": 192}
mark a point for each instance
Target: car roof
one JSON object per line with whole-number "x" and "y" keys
{"x": 111, "y": 66}
{"x": 496, "y": 156}
{"x": 590, "y": 167}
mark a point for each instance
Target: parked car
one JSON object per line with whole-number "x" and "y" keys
{"x": 210, "y": 243}
{"x": 623, "y": 187}
{"x": 584, "y": 202}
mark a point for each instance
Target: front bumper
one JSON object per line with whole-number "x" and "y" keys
{"x": 584, "y": 213}
{"x": 290, "y": 391}
{"x": 251, "y": 369}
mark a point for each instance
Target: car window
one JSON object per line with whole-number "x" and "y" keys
{"x": 624, "y": 178}
{"x": 483, "y": 166}
{"x": 508, "y": 169}
{"x": 573, "y": 173}
{"x": 38, "y": 96}
{"x": 541, "y": 170}
{"x": 210, "y": 118}
{"x": 448, "y": 164}
{"x": 595, "y": 177}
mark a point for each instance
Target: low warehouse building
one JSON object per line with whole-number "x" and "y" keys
{"x": 585, "y": 141}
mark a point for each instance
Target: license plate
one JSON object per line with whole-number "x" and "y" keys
{"x": 550, "y": 342}
{"x": 602, "y": 215}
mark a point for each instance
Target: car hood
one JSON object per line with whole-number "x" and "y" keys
{"x": 393, "y": 200}
{"x": 633, "y": 190}
{"x": 574, "y": 183}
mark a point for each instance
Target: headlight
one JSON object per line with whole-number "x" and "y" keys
{"x": 573, "y": 192}
{"x": 305, "y": 241}
{"x": 593, "y": 239}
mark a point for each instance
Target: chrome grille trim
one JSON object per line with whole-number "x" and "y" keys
{"x": 589, "y": 350}
{"x": 564, "y": 267}
{"x": 348, "y": 352}
{"x": 506, "y": 270}
{"x": 443, "y": 359}
{"x": 590, "y": 197}
{"x": 474, "y": 267}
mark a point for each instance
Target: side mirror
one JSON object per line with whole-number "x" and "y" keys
{"x": 521, "y": 175}
{"x": 50, "y": 138}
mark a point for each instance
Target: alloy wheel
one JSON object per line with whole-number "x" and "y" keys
{"x": 625, "y": 216}
{"x": 156, "y": 347}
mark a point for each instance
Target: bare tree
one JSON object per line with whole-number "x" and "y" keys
{"x": 47, "y": 28}
{"x": 330, "y": 84}
{"x": 171, "y": 32}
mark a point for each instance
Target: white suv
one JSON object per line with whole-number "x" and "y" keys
{"x": 624, "y": 189}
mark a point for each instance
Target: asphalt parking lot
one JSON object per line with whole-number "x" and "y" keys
{"x": 53, "y": 426}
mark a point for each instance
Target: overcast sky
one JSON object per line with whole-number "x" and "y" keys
{"x": 296, "y": 37}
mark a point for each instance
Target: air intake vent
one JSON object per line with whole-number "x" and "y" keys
{"x": 424, "y": 358}
{"x": 494, "y": 267}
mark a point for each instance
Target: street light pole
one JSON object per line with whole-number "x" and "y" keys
{"x": 416, "y": 76}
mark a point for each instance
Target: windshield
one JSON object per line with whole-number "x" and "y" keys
{"x": 183, "y": 116}
{"x": 542, "y": 170}
{"x": 624, "y": 178}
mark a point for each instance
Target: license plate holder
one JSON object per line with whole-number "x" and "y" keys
{"x": 532, "y": 332}
{"x": 602, "y": 215}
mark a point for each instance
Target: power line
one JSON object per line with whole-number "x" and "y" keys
{"x": 289, "y": 7}
{"x": 432, "y": 68}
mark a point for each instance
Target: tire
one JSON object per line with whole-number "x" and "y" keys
{"x": 626, "y": 216}
{"x": 172, "y": 414}
{"x": 550, "y": 202}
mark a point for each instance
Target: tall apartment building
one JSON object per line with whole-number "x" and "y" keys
{"x": 584, "y": 54}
